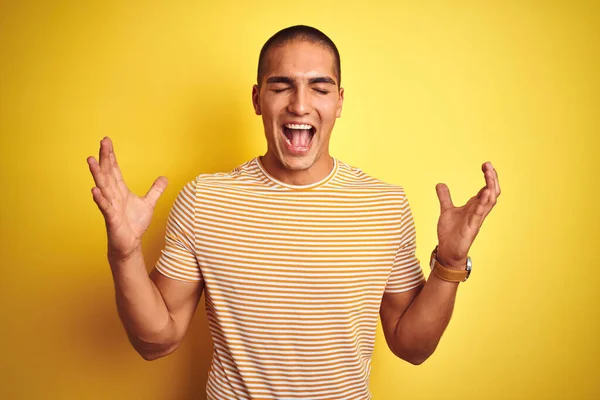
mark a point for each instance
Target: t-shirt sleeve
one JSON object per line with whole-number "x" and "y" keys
{"x": 406, "y": 272}
{"x": 178, "y": 258}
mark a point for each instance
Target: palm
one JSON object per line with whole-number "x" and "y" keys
{"x": 129, "y": 221}
{"x": 458, "y": 226}
{"x": 126, "y": 215}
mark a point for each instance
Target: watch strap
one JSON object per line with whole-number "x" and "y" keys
{"x": 447, "y": 274}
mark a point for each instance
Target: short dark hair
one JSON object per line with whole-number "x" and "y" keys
{"x": 301, "y": 33}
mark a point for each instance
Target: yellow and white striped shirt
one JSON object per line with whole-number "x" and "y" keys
{"x": 294, "y": 276}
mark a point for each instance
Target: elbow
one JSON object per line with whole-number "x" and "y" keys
{"x": 151, "y": 351}
{"x": 415, "y": 352}
{"x": 155, "y": 355}
{"x": 414, "y": 356}
{"x": 416, "y": 360}
{"x": 151, "y": 356}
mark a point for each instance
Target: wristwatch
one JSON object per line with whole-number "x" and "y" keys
{"x": 447, "y": 274}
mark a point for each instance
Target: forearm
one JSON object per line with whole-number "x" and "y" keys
{"x": 141, "y": 307}
{"x": 420, "y": 328}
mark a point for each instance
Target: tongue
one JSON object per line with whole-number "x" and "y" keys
{"x": 300, "y": 137}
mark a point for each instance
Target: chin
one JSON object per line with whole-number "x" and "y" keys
{"x": 295, "y": 163}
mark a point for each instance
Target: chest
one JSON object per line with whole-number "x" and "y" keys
{"x": 304, "y": 242}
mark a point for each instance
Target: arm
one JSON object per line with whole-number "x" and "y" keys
{"x": 414, "y": 321}
{"x": 155, "y": 310}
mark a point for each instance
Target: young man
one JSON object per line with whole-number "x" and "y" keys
{"x": 299, "y": 252}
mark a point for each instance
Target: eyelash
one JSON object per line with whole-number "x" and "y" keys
{"x": 283, "y": 90}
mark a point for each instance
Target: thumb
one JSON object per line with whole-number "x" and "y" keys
{"x": 444, "y": 195}
{"x": 156, "y": 190}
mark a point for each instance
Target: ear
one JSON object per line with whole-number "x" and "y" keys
{"x": 255, "y": 102}
{"x": 338, "y": 112}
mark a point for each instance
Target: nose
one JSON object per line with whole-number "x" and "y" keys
{"x": 299, "y": 102}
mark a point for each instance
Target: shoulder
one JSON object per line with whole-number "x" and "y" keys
{"x": 355, "y": 178}
{"x": 212, "y": 187}
{"x": 243, "y": 175}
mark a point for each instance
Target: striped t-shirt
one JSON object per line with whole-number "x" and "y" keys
{"x": 293, "y": 275}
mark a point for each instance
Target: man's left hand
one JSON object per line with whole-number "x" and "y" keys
{"x": 458, "y": 226}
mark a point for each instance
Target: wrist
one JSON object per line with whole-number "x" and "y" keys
{"x": 120, "y": 257}
{"x": 452, "y": 263}
{"x": 450, "y": 269}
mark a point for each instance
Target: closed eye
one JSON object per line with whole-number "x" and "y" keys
{"x": 280, "y": 90}
{"x": 322, "y": 91}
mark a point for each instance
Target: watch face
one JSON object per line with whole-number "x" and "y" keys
{"x": 469, "y": 267}
{"x": 433, "y": 258}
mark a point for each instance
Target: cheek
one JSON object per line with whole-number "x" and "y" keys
{"x": 273, "y": 104}
{"x": 269, "y": 119}
{"x": 328, "y": 113}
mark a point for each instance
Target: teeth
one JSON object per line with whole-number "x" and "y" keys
{"x": 298, "y": 126}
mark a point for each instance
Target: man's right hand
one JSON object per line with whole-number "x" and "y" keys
{"x": 126, "y": 215}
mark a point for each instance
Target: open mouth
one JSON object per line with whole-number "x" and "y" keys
{"x": 298, "y": 136}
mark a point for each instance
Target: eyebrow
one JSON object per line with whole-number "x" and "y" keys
{"x": 322, "y": 79}
{"x": 290, "y": 81}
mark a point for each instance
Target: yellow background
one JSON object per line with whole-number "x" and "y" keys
{"x": 433, "y": 89}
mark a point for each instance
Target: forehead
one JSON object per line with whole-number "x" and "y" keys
{"x": 299, "y": 60}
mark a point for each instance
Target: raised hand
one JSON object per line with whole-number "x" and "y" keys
{"x": 126, "y": 215}
{"x": 458, "y": 226}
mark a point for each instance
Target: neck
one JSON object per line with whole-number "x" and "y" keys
{"x": 315, "y": 173}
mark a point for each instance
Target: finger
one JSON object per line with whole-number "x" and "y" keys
{"x": 482, "y": 209}
{"x": 103, "y": 155}
{"x": 443, "y": 194}
{"x": 489, "y": 179}
{"x": 493, "y": 197}
{"x": 497, "y": 181}
{"x": 100, "y": 178}
{"x": 491, "y": 184}
{"x": 97, "y": 173}
{"x": 156, "y": 190}
{"x": 486, "y": 202}
{"x": 487, "y": 168}
{"x": 104, "y": 205}
{"x": 475, "y": 222}
{"x": 480, "y": 192}
{"x": 116, "y": 171}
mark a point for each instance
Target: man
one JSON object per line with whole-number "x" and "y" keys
{"x": 299, "y": 252}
